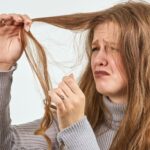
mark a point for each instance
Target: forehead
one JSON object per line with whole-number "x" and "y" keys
{"x": 106, "y": 32}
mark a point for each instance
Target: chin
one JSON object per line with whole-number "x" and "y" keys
{"x": 102, "y": 91}
{"x": 105, "y": 90}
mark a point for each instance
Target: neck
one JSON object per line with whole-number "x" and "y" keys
{"x": 115, "y": 114}
{"x": 122, "y": 99}
{"x": 119, "y": 97}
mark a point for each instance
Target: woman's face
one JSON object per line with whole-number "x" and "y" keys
{"x": 106, "y": 63}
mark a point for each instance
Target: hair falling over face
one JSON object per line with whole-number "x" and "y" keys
{"x": 133, "y": 20}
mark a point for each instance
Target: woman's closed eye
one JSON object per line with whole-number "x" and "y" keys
{"x": 107, "y": 48}
{"x": 95, "y": 49}
{"x": 114, "y": 48}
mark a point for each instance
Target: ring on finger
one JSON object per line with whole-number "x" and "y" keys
{"x": 62, "y": 97}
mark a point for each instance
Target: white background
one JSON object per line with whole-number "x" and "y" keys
{"x": 26, "y": 102}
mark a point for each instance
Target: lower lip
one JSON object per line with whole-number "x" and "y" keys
{"x": 98, "y": 75}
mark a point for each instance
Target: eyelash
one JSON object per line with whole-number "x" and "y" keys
{"x": 94, "y": 49}
{"x": 112, "y": 48}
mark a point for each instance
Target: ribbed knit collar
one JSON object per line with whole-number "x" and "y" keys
{"x": 117, "y": 112}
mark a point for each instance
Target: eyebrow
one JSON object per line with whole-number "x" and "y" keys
{"x": 95, "y": 43}
{"x": 108, "y": 42}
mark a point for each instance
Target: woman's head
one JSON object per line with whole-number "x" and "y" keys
{"x": 126, "y": 25}
{"x": 106, "y": 62}
{"x": 117, "y": 43}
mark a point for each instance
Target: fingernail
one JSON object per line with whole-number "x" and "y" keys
{"x": 71, "y": 75}
{"x": 27, "y": 28}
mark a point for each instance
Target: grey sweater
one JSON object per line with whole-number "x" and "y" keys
{"x": 79, "y": 136}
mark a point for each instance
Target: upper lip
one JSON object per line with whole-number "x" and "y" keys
{"x": 101, "y": 72}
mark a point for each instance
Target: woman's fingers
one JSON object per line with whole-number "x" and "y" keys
{"x": 61, "y": 97}
{"x": 5, "y": 19}
{"x": 69, "y": 92}
{"x": 57, "y": 100}
{"x": 60, "y": 93}
{"x": 65, "y": 88}
{"x": 15, "y": 20}
{"x": 26, "y": 19}
{"x": 9, "y": 21}
{"x": 22, "y": 20}
{"x": 70, "y": 102}
{"x": 27, "y": 22}
{"x": 71, "y": 83}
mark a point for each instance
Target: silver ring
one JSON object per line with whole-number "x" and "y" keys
{"x": 62, "y": 97}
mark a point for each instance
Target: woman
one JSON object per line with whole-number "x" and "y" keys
{"x": 110, "y": 108}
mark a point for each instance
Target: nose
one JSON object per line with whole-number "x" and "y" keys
{"x": 101, "y": 57}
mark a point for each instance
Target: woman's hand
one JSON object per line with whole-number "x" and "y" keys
{"x": 69, "y": 100}
{"x": 10, "y": 40}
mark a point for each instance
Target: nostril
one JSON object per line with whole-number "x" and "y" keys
{"x": 103, "y": 62}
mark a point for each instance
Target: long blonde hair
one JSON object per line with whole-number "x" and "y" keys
{"x": 133, "y": 20}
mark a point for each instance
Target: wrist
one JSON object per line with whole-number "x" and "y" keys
{"x": 5, "y": 66}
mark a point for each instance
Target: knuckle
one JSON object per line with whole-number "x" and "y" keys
{"x": 65, "y": 77}
{"x": 59, "y": 103}
{"x": 59, "y": 90}
{"x": 69, "y": 80}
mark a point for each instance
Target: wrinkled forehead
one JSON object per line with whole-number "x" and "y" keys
{"x": 108, "y": 31}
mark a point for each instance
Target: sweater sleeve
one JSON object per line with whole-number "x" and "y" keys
{"x": 79, "y": 136}
{"x": 5, "y": 128}
{"x": 21, "y": 136}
